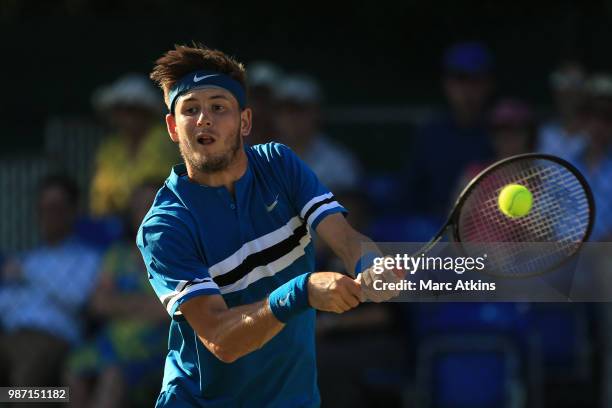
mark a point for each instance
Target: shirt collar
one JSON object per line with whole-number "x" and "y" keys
{"x": 180, "y": 183}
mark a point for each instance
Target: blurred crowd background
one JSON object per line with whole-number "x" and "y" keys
{"x": 395, "y": 108}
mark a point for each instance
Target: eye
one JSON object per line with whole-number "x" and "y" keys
{"x": 218, "y": 108}
{"x": 192, "y": 110}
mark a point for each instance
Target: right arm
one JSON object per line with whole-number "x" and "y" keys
{"x": 230, "y": 333}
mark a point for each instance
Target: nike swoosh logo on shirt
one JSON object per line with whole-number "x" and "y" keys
{"x": 271, "y": 206}
{"x": 284, "y": 300}
{"x": 198, "y": 79}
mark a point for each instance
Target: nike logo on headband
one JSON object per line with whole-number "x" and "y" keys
{"x": 196, "y": 79}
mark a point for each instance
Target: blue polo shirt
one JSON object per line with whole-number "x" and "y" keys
{"x": 198, "y": 240}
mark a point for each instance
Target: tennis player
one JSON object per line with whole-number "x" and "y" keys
{"x": 229, "y": 253}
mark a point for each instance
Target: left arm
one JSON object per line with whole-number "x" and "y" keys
{"x": 347, "y": 244}
{"x": 320, "y": 210}
{"x": 343, "y": 239}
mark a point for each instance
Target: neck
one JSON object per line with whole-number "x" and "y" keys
{"x": 225, "y": 178}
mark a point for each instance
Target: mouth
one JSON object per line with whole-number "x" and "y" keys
{"x": 204, "y": 140}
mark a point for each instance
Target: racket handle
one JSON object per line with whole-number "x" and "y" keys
{"x": 429, "y": 246}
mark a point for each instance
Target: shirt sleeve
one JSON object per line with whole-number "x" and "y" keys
{"x": 312, "y": 199}
{"x": 176, "y": 270}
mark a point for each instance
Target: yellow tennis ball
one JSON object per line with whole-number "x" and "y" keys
{"x": 515, "y": 200}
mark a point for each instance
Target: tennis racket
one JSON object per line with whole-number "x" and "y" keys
{"x": 561, "y": 217}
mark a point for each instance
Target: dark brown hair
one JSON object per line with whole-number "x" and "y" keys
{"x": 182, "y": 60}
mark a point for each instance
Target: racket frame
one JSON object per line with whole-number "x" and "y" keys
{"x": 452, "y": 221}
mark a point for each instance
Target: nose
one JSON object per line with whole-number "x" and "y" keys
{"x": 204, "y": 120}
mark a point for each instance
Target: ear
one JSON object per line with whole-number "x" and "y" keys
{"x": 246, "y": 121}
{"x": 171, "y": 126}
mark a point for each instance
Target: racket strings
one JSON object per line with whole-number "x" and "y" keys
{"x": 559, "y": 217}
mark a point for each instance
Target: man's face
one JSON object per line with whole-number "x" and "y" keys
{"x": 56, "y": 213}
{"x": 208, "y": 126}
{"x": 467, "y": 94}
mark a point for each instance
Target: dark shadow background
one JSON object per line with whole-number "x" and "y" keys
{"x": 55, "y": 53}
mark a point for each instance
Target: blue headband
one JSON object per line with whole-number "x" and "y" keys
{"x": 203, "y": 79}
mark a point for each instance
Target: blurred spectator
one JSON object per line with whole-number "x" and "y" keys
{"x": 444, "y": 146}
{"x": 44, "y": 291}
{"x": 128, "y": 352}
{"x": 263, "y": 79}
{"x": 595, "y": 161}
{"x": 372, "y": 379}
{"x": 140, "y": 148}
{"x": 299, "y": 120}
{"x": 563, "y": 135}
{"x": 512, "y": 129}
